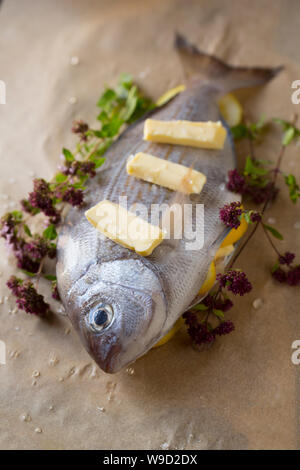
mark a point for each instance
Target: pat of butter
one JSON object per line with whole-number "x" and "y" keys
{"x": 124, "y": 227}
{"x": 210, "y": 135}
{"x": 164, "y": 173}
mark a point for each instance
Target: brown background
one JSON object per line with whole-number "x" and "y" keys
{"x": 243, "y": 393}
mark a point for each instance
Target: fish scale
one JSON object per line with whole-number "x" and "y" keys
{"x": 145, "y": 296}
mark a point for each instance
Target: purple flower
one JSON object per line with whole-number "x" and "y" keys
{"x": 224, "y": 305}
{"x": 71, "y": 168}
{"x": 224, "y": 328}
{"x": 80, "y": 127}
{"x": 230, "y": 213}
{"x": 209, "y": 301}
{"x": 54, "y": 290}
{"x": 261, "y": 194}
{"x": 287, "y": 258}
{"x": 39, "y": 248}
{"x": 26, "y": 263}
{"x": 255, "y": 216}
{"x": 293, "y": 276}
{"x": 36, "y": 249}
{"x": 200, "y": 334}
{"x": 279, "y": 274}
{"x": 55, "y": 219}
{"x": 14, "y": 284}
{"x": 236, "y": 182}
{"x": 235, "y": 281}
{"x": 218, "y": 304}
{"x": 73, "y": 196}
{"x": 27, "y": 207}
{"x": 8, "y": 228}
{"x": 88, "y": 168}
{"x": 42, "y": 197}
{"x": 28, "y": 299}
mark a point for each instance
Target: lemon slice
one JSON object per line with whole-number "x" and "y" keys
{"x": 231, "y": 109}
{"x": 209, "y": 281}
{"x": 224, "y": 251}
{"x": 235, "y": 234}
{"x": 170, "y": 334}
{"x": 169, "y": 95}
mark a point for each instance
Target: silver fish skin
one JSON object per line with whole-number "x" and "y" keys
{"x": 119, "y": 302}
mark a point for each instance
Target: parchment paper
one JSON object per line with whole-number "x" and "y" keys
{"x": 243, "y": 393}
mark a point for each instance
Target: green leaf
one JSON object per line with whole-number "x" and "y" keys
{"x": 103, "y": 117}
{"x": 50, "y": 277}
{"x": 252, "y": 131}
{"x": 257, "y": 128}
{"x": 50, "y": 233}
{"x": 288, "y": 136}
{"x": 126, "y": 80}
{"x": 28, "y": 273}
{"x": 102, "y": 148}
{"x": 131, "y": 104}
{"x": 68, "y": 155}
{"x": 60, "y": 177}
{"x": 275, "y": 267}
{"x": 273, "y": 231}
{"x": 27, "y": 230}
{"x": 282, "y": 122}
{"x": 99, "y": 162}
{"x": 112, "y": 128}
{"x": 17, "y": 215}
{"x": 247, "y": 216}
{"x": 218, "y": 313}
{"x": 106, "y": 98}
{"x": 240, "y": 131}
{"x": 200, "y": 307}
{"x": 253, "y": 169}
{"x": 290, "y": 131}
{"x": 291, "y": 183}
{"x": 260, "y": 123}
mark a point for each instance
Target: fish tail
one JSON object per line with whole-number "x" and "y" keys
{"x": 197, "y": 63}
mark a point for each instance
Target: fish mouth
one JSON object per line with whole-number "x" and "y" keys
{"x": 108, "y": 361}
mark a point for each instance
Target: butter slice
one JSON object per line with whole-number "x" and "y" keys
{"x": 164, "y": 173}
{"x": 124, "y": 227}
{"x": 210, "y": 135}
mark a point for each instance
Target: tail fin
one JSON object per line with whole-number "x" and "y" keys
{"x": 200, "y": 64}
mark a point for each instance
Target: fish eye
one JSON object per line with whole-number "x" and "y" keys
{"x": 100, "y": 318}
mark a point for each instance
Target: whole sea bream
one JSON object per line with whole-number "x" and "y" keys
{"x": 121, "y": 303}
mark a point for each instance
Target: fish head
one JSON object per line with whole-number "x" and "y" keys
{"x": 121, "y": 314}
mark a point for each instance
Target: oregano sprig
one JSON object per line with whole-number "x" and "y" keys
{"x": 48, "y": 199}
{"x": 257, "y": 183}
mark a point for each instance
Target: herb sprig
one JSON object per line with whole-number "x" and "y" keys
{"x": 49, "y": 199}
{"x": 257, "y": 183}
